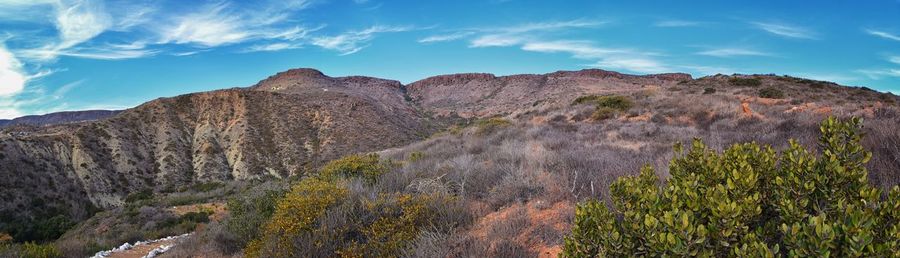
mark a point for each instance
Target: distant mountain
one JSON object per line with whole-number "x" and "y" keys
{"x": 296, "y": 120}
{"x": 59, "y": 117}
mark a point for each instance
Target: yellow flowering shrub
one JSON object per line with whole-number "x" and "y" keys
{"x": 367, "y": 166}
{"x": 294, "y": 213}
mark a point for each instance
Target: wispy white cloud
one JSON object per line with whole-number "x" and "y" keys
{"x": 26, "y": 10}
{"x": 786, "y": 30}
{"x": 187, "y": 53}
{"x": 732, "y": 52}
{"x": 76, "y": 22}
{"x": 532, "y": 37}
{"x": 12, "y": 78}
{"x": 894, "y": 59}
{"x": 883, "y": 34}
{"x": 709, "y": 70}
{"x": 497, "y": 40}
{"x": 637, "y": 64}
{"x": 446, "y": 37}
{"x": 607, "y": 58}
{"x": 547, "y": 26}
{"x": 134, "y": 15}
{"x": 518, "y": 34}
{"x": 211, "y": 27}
{"x": 60, "y": 92}
{"x": 578, "y": 49}
{"x": 830, "y": 77}
{"x": 677, "y": 23}
{"x": 81, "y": 21}
{"x": 272, "y": 47}
{"x": 353, "y": 41}
{"x": 114, "y": 30}
{"x": 221, "y": 24}
{"x": 879, "y": 73}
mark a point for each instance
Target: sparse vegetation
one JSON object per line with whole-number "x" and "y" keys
{"x": 748, "y": 201}
{"x": 709, "y": 90}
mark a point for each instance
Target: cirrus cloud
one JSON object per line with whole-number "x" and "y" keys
{"x": 785, "y": 30}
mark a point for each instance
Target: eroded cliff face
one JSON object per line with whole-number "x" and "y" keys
{"x": 235, "y": 134}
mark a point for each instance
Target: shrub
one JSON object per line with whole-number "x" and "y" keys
{"x": 335, "y": 215}
{"x": 294, "y": 214}
{"x": 247, "y": 213}
{"x": 747, "y": 202}
{"x": 196, "y": 217}
{"x": 603, "y": 114}
{"x": 747, "y": 82}
{"x": 32, "y": 250}
{"x": 367, "y": 166}
{"x": 620, "y": 103}
{"x": 186, "y": 222}
{"x": 605, "y": 106}
{"x": 46, "y": 227}
{"x": 415, "y": 156}
{"x": 139, "y": 195}
{"x": 771, "y": 93}
{"x": 204, "y": 187}
{"x": 709, "y": 90}
{"x": 486, "y": 126}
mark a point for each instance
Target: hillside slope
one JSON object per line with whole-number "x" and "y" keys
{"x": 295, "y": 120}
{"x": 234, "y": 134}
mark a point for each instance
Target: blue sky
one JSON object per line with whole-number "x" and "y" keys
{"x": 90, "y": 54}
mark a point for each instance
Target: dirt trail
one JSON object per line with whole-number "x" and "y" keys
{"x": 142, "y": 250}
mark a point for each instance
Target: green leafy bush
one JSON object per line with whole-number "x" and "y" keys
{"x": 747, "y": 202}
{"x": 771, "y": 93}
{"x": 607, "y": 106}
{"x": 621, "y": 103}
{"x": 747, "y": 82}
{"x": 45, "y": 227}
{"x": 415, "y": 156}
{"x": 248, "y": 212}
{"x": 28, "y": 250}
{"x": 139, "y": 195}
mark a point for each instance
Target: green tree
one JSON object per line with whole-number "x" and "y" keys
{"x": 747, "y": 202}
